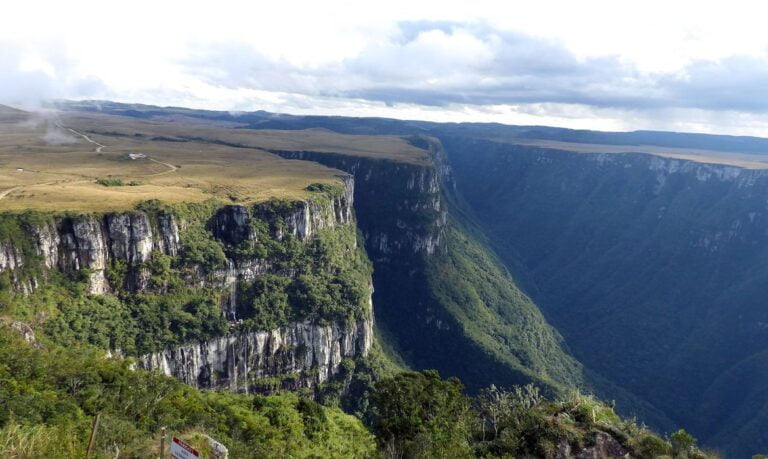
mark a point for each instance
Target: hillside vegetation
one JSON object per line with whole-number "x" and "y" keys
{"x": 420, "y": 415}
{"x": 483, "y": 302}
{"x": 652, "y": 270}
{"x": 51, "y": 394}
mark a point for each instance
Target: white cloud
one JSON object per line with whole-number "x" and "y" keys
{"x": 589, "y": 64}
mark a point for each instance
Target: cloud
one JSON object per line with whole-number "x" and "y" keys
{"x": 734, "y": 83}
{"x": 56, "y": 136}
{"x": 444, "y": 70}
{"x": 32, "y": 73}
{"x": 448, "y": 63}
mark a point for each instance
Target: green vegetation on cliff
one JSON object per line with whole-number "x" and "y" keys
{"x": 442, "y": 298}
{"x": 486, "y": 305}
{"x": 167, "y": 301}
{"x": 419, "y": 415}
{"x": 653, "y": 269}
{"x": 50, "y": 395}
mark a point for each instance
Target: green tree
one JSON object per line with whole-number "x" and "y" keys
{"x": 421, "y": 415}
{"x": 682, "y": 443}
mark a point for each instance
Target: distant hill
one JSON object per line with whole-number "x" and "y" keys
{"x": 356, "y": 125}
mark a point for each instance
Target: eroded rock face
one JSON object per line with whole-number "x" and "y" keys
{"x": 169, "y": 234}
{"x": 232, "y": 224}
{"x": 306, "y": 218}
{"x": 131, "y": 238}
{"x": 47, "y": 244}
{"x": 400, "y": 206}
{"x": 71, "y": 244}
{"x": 311, "y": 352}
{"x": 10, "y": 258}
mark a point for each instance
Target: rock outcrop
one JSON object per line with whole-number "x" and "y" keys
{"x": 399, "y": 206}
{"x": 90, "y": 242}
{"x": 302, "y": 355}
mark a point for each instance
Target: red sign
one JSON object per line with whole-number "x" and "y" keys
{"x": 181, "y": 450}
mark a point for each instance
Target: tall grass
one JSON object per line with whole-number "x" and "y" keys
{"x": 41, "y": 441}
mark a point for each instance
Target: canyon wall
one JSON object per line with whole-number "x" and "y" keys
{"x": 652, "y": 268}
{"x": 113, "y": 255}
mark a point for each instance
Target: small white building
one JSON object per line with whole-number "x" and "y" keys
{"x": 137, "y": 155}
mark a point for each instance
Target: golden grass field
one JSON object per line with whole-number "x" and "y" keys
{"x": 44, "y": 166}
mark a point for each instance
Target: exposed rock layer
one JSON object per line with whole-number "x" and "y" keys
{"x": 302, "y": 355}
{"x": 309, "y": 352}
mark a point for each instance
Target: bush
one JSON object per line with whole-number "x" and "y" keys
{"x": 419, "y": 414}
{"x": 110, "y": 182}
{"x": 682, "y": 442}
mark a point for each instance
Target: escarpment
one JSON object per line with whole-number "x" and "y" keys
{"x": 86, "y": 243}
{"x": 653, "y": 268}
{"x": 302, "y": 355}
{"x": 399, "y": 206}
{"x": 402, "y": 214}
{"x": 92, "y": 242}
{"x": 219, "y": 296}
{"x": 428, "y": 292}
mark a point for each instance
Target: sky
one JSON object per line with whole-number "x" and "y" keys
{"x": 609, "y": 65}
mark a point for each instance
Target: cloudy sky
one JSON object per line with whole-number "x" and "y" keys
{"x": 612, "y": 65}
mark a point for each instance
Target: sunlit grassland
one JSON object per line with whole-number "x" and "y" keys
{"x": 44, "y": 166}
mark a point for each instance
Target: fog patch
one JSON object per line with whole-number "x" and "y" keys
{"x": 55, "y": 135}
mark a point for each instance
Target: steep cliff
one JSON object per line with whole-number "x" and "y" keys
{"x": 652, "y": 268}
{"x": 217, "y": 295}
{"x": 302, "y": 355}
{"x": 91, "y": 243}
{"x": 443, "y": 298}
{"x": 399, "y": 206}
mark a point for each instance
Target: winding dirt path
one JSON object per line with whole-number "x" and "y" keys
{"x": 99, "y": 148}
{"x": 171, "y": 167}
{"x": 9, "y": 191}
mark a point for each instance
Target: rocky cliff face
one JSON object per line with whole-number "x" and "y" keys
{"x": 302, "y": 220}
{"x": 652, "y": 268}
{"x": 124, "y": 244}
{"x": 92, "y": 243}
{"x": 402, "y": 211}
{"x": 88, "y": 242}
{"x": 300, "y": 356}
{"x": 402, "y": 214}
{"x": 399, "y": 206}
